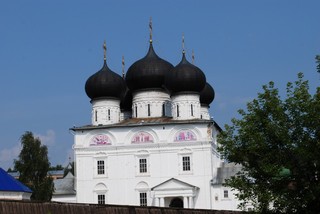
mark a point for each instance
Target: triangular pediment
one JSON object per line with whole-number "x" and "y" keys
{"x": 173, "y": 184}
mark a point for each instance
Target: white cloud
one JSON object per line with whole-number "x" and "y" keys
{"x": 48, "y": 138}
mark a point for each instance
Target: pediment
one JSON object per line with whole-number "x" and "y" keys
{"x": 173, "y": 184}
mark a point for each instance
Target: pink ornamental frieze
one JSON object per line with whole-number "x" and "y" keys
{"x": 100, "y": 140}
{"x": 142, "y": 137}
{"x": 185, "y": 135}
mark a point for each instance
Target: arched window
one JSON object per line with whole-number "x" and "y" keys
{"x": 191, "y": 110}
{"x": 142, "y": 137}
{"x": 185, "y": 135}
{"x": 178, "y": 111}
{"x": 136, "y": 111}
{"x": 163, "y": 110}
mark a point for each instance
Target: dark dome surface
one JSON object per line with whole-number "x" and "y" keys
{"x": 185, "y": 77}
{"x": 105, "y": 83}
{"x": 207, "y": 94}
{"x": 126, "y": 101}
{"x": 148, "y": 72}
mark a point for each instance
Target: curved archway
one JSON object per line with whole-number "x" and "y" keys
{"x": 176, "y": 202}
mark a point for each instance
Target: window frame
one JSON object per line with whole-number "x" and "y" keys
{"x": 141, "y": 156}
{"x": 226, "y": 194}
{"x": 97, "y": 168}
{"x": 186, "y": 163}
{"x": 143, "y": 166}
{"x": 143, "y": 199}
{"x": 101, "y": 198}
{"x": 101, "y": 167}
{"x": 149, "y": 110}
{"x": 183, "y": 154}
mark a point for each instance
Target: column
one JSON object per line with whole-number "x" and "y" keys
{"x": 185, "y": 202}
{"x": 190, "y": 202}
{"x": 161, "y": 202}
{"x": 157, "y": 201}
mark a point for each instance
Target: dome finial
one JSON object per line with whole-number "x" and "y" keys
{"x": 150, "y": 28}
{"x": 192, "y": 56}
{"x": 104, "y": 51}
{"x": 123, "y": 67}
{"x": 183, "y": 50}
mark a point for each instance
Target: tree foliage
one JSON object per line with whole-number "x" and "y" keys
{"x": 278, "y": 144}
{"x": 318, "y": 63}
{"x": 33, "y": 165}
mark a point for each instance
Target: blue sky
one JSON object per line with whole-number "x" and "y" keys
{"x": 48, "y": 49}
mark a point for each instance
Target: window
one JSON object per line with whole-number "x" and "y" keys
{"x": 100, "y": 167}
{"x": 149, "y": 110}
{"x": 225, "y": 193}
{"x": 143, "y": 165}
{"x": 136, "y": 110}
{"x": 96, "y": 115}
{"x": 177, "y": 110}
{"x": 108, "y": 114}
{"x": 101, "y": 199}
{"x": 143, "y": 199}
{"x": 163, "y": 110}
{"x": 186, "y": 163}
{"x": 191, "y": 110}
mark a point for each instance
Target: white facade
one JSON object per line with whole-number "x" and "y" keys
{"x": 108, "y": 162}
{"x": 125, "y": 162}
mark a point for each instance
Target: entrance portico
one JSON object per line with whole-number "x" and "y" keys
{"x": 174, "y": 193}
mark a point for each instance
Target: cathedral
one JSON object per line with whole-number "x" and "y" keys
{"x": 152, "y": 140}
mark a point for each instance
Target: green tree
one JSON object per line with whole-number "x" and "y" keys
{"x": 277, "y": 142}
{"x": 57, "y": 167}
{"x": 33, "y": 165}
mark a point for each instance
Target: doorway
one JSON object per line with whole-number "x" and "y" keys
{"x": 176, "y": 202}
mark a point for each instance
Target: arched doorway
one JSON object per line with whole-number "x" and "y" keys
{"x": 176, "y": 202}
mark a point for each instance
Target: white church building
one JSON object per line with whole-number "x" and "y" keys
{"x": 152, "y": 140}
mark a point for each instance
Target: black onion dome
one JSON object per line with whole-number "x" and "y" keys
{"x": 185, "y": 77}
{"x": 105, "y": 83}
{"x": 207, "y": 94}
{"x": 148, "y": 72}
{"x": 126, "y": 101}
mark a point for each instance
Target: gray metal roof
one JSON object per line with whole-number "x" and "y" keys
{"x": 146, "y": 122}
{"x": 64, "y": 186}
{"x": 226, "y": 171}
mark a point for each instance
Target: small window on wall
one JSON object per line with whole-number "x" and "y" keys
{"x": 186, "y": 166}
{"x": 109, "y": 114}
{"x": 143, "y": 168}
{"x": 143, "y": 199}
{"x": 191, "y": 110}
{"x": 101, "y": 199}
{"x": 178, "y": 111}
{"x": 149, "y": 113}
{"x": 225, "y": 193}
{"x": 100, "y": 167}
{"x": 163, "y": 110}
{"x": 136, "y": 110}
{"x": 95, "y": 115}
